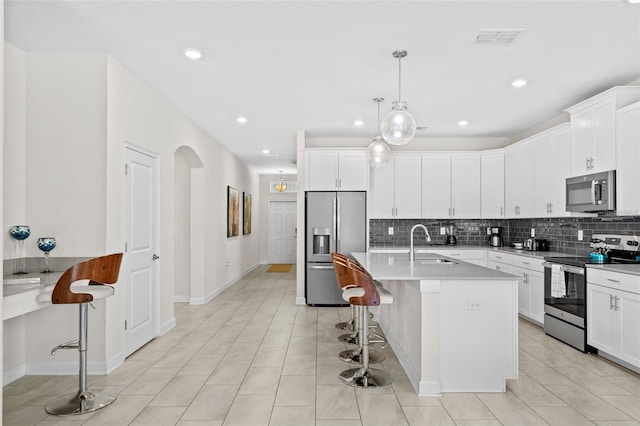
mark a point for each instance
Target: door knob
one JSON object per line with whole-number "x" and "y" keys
{"x": 156, "y": 257}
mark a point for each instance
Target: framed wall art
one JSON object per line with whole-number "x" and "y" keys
{"x": 233, "y": 212}
{"x": 246, "y": 203}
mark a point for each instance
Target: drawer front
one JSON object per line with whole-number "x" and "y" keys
{"x": 527, "y": 262}
{"x": 497, "y": 256}
{"x": 624, "y": 282}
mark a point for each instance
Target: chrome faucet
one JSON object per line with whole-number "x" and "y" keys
{"x": 412, "y": 254}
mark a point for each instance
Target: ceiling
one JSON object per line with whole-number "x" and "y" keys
{"x": 317, "y": 65}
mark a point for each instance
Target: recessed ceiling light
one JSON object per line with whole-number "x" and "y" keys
{"x": 463, "y": 123}
{"x": 265, "y": 151}
{"x": 358, "y": 123}
{"x": 193, "y": 53}
{"x": 242, "y": 119}
{"x": 521, "y": 82}
{"x": 633, "y": 1}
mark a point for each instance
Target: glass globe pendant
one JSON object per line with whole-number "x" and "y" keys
{"x": 398, "y": 127}
{"x": 378, "y": 152}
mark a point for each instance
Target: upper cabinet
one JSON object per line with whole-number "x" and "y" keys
{"x": 628, "y": 159}
{"x": 519, "y": 179}
{"x": 395, "y": 188}
{"x": 593, "y": 129}
{"x": 336, "y": 170}
{"x": 551, "y": 168}
{"x": 451, "y": 186}
{"x": 492, "y": 181}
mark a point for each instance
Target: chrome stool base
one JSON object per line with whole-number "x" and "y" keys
{"x": 345, "y": 326}
{"x": 365, "y": 378}
{"x": 80, "y": 404}
{"x": 353, "y": 355}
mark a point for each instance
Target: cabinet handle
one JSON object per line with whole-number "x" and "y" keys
{"x": 550, "y": 207}
{"x": 498, "y": 268}
{"x": 526, "y": 263}
{"x": 453, "y": 212}
{"x": 612, "y": 280}
{"x": 526, "y": 278}
{"x": 611, "y": 305}
{"x": 340, "y": 183}
{"x": 587, "y": 163}
{"x": 616, "y": 303}
{"x": 501, "y": 214}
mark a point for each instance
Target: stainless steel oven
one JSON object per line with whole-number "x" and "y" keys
{"x": 565, "y": 288}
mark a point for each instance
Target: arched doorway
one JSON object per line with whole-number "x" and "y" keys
{"x": 188, "y": 220}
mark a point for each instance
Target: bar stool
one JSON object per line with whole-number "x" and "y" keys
{"x": 345, "y": 325}
{"x": 345, "y": 274}
{"x": 365, "y": 376}
{"x": 99, "y": 271}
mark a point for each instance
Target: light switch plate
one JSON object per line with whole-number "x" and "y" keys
{"x": 390, "y": 230}
{"x": 533, "y": 232}
{"x": 442, "y": 230}
{"x": 580, "y": 235}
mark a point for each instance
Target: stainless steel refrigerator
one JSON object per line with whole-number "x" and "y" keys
{"x": 336, "y": 221}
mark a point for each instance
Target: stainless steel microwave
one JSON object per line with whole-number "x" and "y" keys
{"x": 592, "y": 193}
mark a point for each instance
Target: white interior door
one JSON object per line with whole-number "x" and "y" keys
{"x": 282, "y": 232}
{"x": 141, "y": 210}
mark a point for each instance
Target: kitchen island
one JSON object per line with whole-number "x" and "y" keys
{"x": 453, "y": 325}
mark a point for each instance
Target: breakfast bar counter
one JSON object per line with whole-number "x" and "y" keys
{"x": 453, "y": 325}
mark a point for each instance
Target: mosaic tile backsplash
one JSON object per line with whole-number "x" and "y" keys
{"x": 562, "y": 233}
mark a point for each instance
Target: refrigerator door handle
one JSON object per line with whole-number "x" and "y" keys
{"x": 321, "y": 267}
{"x": 333, "y": 235}
{"x": 338, "y": 227}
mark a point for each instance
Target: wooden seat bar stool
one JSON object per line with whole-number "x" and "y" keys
{"x": 364, "y": 376}
{"x": 99, "y": 271}
{"x": 345, "y": 273}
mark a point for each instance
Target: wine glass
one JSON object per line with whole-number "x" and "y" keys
{"x": 46, "y": 244}
{"x": 20, "y": 233}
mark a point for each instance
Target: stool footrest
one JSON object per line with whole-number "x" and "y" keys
{"x": 365, "y": 378}
{"x": 74, "y": 344}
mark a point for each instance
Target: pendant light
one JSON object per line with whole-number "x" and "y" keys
{"x": 280, "y": 186}
{"x": 398, "y": 127}
{"x": 378, "y": 152}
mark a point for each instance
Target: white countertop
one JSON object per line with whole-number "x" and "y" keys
{"x": 19, "y": 299}
{"x": 623, "y": 268}
{"x": 398, "y": 266}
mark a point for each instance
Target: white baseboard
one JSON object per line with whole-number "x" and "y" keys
{"x": 13, "y": 374}
{"x": 115, "y": 362}
{"x": 264, "y": 262}
{"x": 301, "y": 300}
{"x": 167, "y": 326}
{"x": 210, "y": 296}
{"x": 180, "y": 299}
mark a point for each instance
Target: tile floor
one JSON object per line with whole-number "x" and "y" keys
{"x": 252, "y": 357}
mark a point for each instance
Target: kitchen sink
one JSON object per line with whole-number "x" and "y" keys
{"x": 434, "y": 261}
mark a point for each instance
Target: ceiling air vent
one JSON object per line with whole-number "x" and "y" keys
{"x": 503, "y": 36}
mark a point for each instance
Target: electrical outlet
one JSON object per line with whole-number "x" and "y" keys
{"x": 390, "y": 230}
{"x": 580, "y": 235}
{"x": 227, "y": 264}
{"x": 488, "y": 231}
{"x": 533, "y": 232}
{"x": 475, "y": 305}
{"x": 442, "y": 230}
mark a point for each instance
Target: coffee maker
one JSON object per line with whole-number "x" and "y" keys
{"x": 495, "y": 239}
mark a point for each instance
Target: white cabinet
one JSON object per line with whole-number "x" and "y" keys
{"x": 613, "y": 314}
{"x": 551, "y": 168}
{"x": 593, "y": 129}
{"x": 492, "y": 184}
{"x": 519, "y": 180}
{"x": 436, "y": 186}
{"x": 451, "y": 186}
{"x": 465, "y": 186}
{"x": 530, "y": 285}
{"x": 628, "y": 158}
{"x": 336, "y": 170}
{"x": 530, "y": 293}
{"x": 396, "y": 188}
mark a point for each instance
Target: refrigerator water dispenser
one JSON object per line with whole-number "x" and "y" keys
{"x": 321, "y": 240}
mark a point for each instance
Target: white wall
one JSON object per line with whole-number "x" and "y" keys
{"x": 1, "y": 169}
{"x": 71, "y": 116}
{"x": 182, "y": 238}
{"x": 265, "y": 196}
